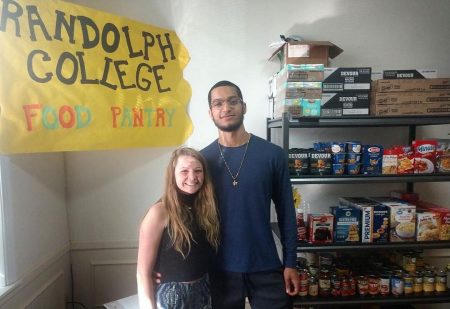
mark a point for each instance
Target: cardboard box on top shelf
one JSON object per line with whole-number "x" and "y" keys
{"x": 428, "y": 84}
{"x": 410, "y": 103}
{"x": 347, "y": 79}
{"x": 306, "y": 52}
{"x": 345, "y": 104}
{"x": 409, "y": 74}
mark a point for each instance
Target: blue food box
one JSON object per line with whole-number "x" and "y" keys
{"x": 372, "y": 159}
{"x": 374, "y": 218}
{"x": 346, "y": 223}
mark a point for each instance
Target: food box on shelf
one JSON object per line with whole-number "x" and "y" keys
{"x": 320, "y": 228}
{"x": 410, "y": 103}
{"x": 409, "y": 74}
{"x": 402, "y": 219}
{"x": 428, "y": 225}
{"x": 340, "y": 104}
{"x": 444, "y": 214}
{"x": 346, "y": 223}
{"x": 374, "y": 218}
{"x": 347, "y": 79}
{"x": 416, "y": 85}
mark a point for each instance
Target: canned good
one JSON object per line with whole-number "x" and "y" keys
{"x": 418, "y": 282}
{"x": 441, "y": 282}
{"x": 397, "y": 285}
{"x": 429, "y": 282}
{"x": 313, "y": 286}
{"x": 409, "y": 282}
{"x": 374, "y": 284}
{"x": 385, "y": 284}
{"x": 363, "y": 286}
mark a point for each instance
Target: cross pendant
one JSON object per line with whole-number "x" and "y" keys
{"x": 235, "y": 183}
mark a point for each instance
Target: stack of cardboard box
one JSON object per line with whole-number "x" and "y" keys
{"x": 297, "y": 87}
{"x": 410, "y": 92}
{"x": 346, "y": 92}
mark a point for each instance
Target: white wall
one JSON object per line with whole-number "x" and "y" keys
{"x": 36, "y": 234}
{"x": 109, "y": 191}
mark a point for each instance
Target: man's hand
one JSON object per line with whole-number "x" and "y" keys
{"x": 292, "y": 281}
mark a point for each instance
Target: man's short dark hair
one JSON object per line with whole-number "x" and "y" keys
{"x": 227, "y": 84}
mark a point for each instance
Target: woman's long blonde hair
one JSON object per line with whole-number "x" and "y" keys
{"x": 205, "y": 208}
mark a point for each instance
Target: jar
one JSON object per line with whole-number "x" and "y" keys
{"x": 418, "y": 282}
{"x": 441, "y": 282}
{"x": 363, "y": 286}
{"x": 374, "y": 284}
{"x": 408, "y": 284}
{"x": 335, "y": 285}
{"x": 325, "y": 260}
{"x": 324, "y": 283}
{"x": 428, "y": 282}
{"x": 352, "y": 284}
{"x": 313, "y": 269}
{"x": 397, "y": 285}
{"x": 448, "y": 276}
{"x": 409, "y": 262}
{"x": 303, "y": 276}
{"x": 313, "y": 286}
{"x": 345, "y": 286}
{"x": 385, "y": 284}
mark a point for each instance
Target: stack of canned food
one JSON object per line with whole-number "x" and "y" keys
{"x": 332, "y": 277}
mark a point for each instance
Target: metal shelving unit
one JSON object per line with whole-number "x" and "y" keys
{"x": 330, "y": 302}
{"x": 285, "y": 124}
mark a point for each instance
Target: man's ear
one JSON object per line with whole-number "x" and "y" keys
{"x": 210, "y": 114}
{"x": 244, "y": 108}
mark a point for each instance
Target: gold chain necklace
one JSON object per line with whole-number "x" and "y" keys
{"x": 240, "y": 166}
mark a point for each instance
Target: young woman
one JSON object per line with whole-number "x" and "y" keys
{"x": 179, "y": 236}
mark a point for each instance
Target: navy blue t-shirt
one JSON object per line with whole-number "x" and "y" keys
{"x": 247, "y": 243}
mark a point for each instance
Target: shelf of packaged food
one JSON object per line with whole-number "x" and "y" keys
{"x": 368, "y": 299}
{"x": 368, "y": 121}
{"x": 307, "y": 247}
{"x": 337, "y": 179}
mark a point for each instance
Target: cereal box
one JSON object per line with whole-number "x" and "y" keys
{"x": 320, "y": 228}
{"x": 428, "y": 225}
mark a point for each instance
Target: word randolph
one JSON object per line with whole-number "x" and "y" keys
{"x": 68, "y": 117}
{"x": 109, "y": 38}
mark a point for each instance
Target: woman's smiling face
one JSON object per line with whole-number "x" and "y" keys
{"x": 189, "y": 174}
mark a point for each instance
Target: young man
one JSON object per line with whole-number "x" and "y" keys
{"x": 248, "y": 172}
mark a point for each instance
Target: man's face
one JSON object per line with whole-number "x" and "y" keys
{"x": 227, "y": 109}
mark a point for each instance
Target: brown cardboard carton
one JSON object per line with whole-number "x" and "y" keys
{"x": 306, "y": 52}
{"x": 394, "y": 85}
{"x": 410, "y": 103}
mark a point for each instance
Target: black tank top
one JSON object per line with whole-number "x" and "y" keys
{"x": 171, "y": 264}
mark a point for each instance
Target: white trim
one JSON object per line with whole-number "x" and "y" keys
{"x": 103, "y": 245}
{"x": 28, "y": 278}
{"x": 2, "y": 232}
{"x": 49, "y": 282}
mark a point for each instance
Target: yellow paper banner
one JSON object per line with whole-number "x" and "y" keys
{"x": 73, "y": 78}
